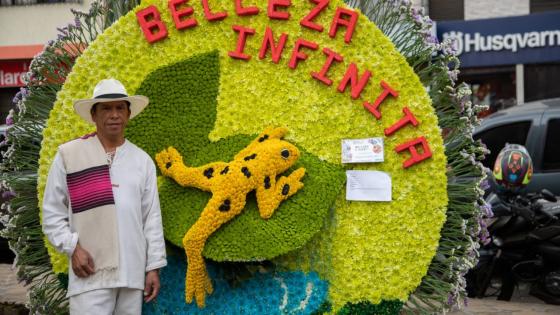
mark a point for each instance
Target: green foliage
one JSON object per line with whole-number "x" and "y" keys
{"x": 325, "y": 308}
{"x": 183, "y": 103}
{"x": 20, "y": 215}
{"x": 367, "y": 308}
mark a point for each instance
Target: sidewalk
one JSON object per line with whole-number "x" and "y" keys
{"x": 12, "y": 292}
{"x": 492, "y": 306}
{"x": 13, "y": 295}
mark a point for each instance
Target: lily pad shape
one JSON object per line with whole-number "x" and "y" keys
{"x": 181, "y": 114}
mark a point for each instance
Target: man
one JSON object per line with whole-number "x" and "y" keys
{"x": 101, "y": 208}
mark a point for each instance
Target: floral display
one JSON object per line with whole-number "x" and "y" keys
{"x": 267, "y": 292}
{"x": 393, "y": 255}
{"x": 217, "y": 75}
{"x": 253, "y": 168}
{"x": 248, "y": 237}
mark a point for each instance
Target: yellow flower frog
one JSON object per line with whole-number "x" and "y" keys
{"x": 253, "y": 168}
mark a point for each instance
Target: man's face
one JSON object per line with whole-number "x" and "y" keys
{"x": 111, "y": 117}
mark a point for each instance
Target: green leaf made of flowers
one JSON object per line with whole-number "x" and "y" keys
{"x": 392, "y": 307}
{"x": 181, "y": 113}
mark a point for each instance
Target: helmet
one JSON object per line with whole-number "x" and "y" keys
{"x": 513, "y": 167}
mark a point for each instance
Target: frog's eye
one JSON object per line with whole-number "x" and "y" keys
{"x": 285, "y": 153}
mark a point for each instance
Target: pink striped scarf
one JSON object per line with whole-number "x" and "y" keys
{"x": 92, "y": 203}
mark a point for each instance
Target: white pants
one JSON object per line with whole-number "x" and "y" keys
{"x": 114, "y": 301}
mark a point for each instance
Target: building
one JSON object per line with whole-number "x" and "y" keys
{"x": 509, "y": 49}
{"x": 26, "y": 26}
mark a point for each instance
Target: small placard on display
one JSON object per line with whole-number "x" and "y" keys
{"x": 362, "y": 150}
{"x": 368, "y": 186}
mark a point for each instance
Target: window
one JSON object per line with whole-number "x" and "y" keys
{"x": 544, "y": 5}
{"x": 496, "y": 138}
{"x": 551, "y": 156}
{"x": 445, "y": 10}
{"x": 6, "y": 3}
{"x": 541, "y": 81}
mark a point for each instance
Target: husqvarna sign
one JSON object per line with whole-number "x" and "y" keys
{"x": 502, "y": 41}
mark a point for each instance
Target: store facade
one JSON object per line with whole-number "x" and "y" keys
{"x": 14, "y": 63}
{"x": 508, "y": 60}
{"x": 22, "y": 38}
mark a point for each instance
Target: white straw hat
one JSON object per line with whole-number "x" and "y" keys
{"x": 109, "y": 90}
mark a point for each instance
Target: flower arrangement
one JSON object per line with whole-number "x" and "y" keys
{"x": 254, "y": 168}
{"x": 266, "y": 292}
{"x": 416, "y": 248}
{"x": 247, "y": 238}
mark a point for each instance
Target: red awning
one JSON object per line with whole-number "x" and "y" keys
{"x": 19, "y": 52}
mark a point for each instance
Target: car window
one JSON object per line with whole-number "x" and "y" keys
{"x": 496, "y": 138}
{"x": 551, "y": 157}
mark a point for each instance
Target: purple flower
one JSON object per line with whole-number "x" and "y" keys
{"x": 9, "y": 121}
{"x": 484, "y": 184}
{"x": 17, "y": 98}
{"x": 487, "y": 210}
{"x": 484, "y": 238}
{"x": 428, "y": 21}
{"x": 452, "y": 74}
{"x": 77, "y": 22}
{"x": 462, "y": 105}
{"x": 483, "y": 235}
{"x": 449, "y": 47}
{"x": 8, "y": 194}
{"x": 482, "y": 223}
{"x": 432, "y": 39}
{"x": 450, "y": 299}
{"x": 62, "y": 30}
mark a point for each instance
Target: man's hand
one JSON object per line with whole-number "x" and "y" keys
{"x": 82, "y": 263}
{"x": 151, "y": 289}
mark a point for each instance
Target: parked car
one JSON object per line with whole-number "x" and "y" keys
{"x": 536, "y": 125}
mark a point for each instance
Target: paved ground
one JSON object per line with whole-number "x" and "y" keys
{"x": 13, "y": 292}
{"x": 491, "y": 307}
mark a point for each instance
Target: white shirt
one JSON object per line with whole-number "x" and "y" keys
{"x": 141, "y": 244}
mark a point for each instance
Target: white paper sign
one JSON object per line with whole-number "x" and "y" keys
{"x": 362, "y": 150}
{"x": 368, "y": 186}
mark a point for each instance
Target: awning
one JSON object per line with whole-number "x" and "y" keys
{"x": 19, "y": 52}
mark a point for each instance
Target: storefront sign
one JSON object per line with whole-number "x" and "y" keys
{"x": 505, "y": 41}
{"x": 11, "y": 73}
